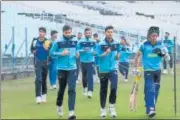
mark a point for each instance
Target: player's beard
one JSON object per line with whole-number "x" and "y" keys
{"x": 67, "y": 36}
{"x": 88, "y": 36}
{"x": 109, "y": 38}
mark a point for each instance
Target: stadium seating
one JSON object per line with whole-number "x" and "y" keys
{"x": 128, "y": 21}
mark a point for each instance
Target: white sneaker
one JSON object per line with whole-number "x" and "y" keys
{"x": 165, "y": 71}
{"x": 72, "y": 115}
{"x": 85, "y": 91}
{"x": 172, "y": 71}
{"x": 38, "y": 100}
{"x": 51, "y": 88}
{"x": 151, "y": 114}
{"x": 77, "y": 81}
{"x": 126, "y": 80}
{"x": 98, "y": 81}
{"x": 54, "y": 87}
{"x": 89, "y": 94}
{"x": 103, "y": 112}
{"x": 60, "y": 111}
{"x": 43, "y": 97}
{"x": 112, "y": 111}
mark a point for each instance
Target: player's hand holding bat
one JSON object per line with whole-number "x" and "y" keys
{"x": 133, "y": 97}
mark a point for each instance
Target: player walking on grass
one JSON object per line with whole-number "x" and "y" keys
{"x": 52, "y": 63}
{"x": 152, "y": 52}
{"x": 79, "y": 37}
{"x": 87, "y": 48}
{"x": 108, "y": 53}
{"x": 39, "y": 48}
{"x": 96, "y": 38}
{"x": 125, "y": 53}
{"x": 169, "y": 44}
{"x": 65, "y": 51}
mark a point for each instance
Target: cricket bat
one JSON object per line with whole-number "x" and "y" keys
{"x": 133, "y": 96}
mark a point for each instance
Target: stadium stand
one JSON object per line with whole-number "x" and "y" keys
{"x": 129, "y": 18}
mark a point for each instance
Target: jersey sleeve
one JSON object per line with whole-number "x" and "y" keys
{"x": 98, "y": 50}
{"x": 141, "y": 48}
{"x": 119, "y": 48}
{"x": 171, "y": 43}
{"x": 79, "y": 48}
{"x": 33, "y": 47}
{"x": 53, "y": 51}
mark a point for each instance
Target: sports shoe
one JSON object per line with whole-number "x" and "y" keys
{"x": 126, "y": 80}
{"x": 38, "y": 100}
{"x": 60, "y": 111}
{"x": 72, "y": 115}
{"x": 103, "y": 112}
{"x": 98, "y": 81}
{"x": 43, "y": 98}
{"x": 112, "y": 111}
{"x": 85, "y": 91}
{"x": 77, "y": 81}
{"x": 172, "y": 71}
{"x": 165, "y": 71}
{"x": 54, "y": 87}
{"x": 151, "y": 114}
{"x": 89, "y": 94}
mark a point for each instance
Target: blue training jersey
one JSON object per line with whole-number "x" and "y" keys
{"x": 151, "y": 61}
{"x": 67, "y": 62}
{"x": 125, "y": 53}
{"x": 108, "y": 63}
{"x": 87, "y": 56}
{"x": 169, "y": 44}
{"x": 41, "y": 52}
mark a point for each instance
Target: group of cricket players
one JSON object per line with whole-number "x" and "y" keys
{"x": 64, "y": 57}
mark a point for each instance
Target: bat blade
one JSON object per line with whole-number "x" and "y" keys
{"x": 133, "y": 97}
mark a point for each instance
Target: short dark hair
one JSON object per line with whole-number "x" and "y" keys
{"x": 66, "y": 27}
{"x": 53, "y": 32}
{"x": 95, "y": 35}
{"x": 87, "y": 29}
{"x": 167, "y": 33}
{"x": 123, "y": 37}
{"x": 42, "y": 29}
{"x": 109, "y": 27}
{"x": 153, "y": 29}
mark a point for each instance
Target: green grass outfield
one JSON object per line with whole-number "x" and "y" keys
{"x": 18, "y": 101}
